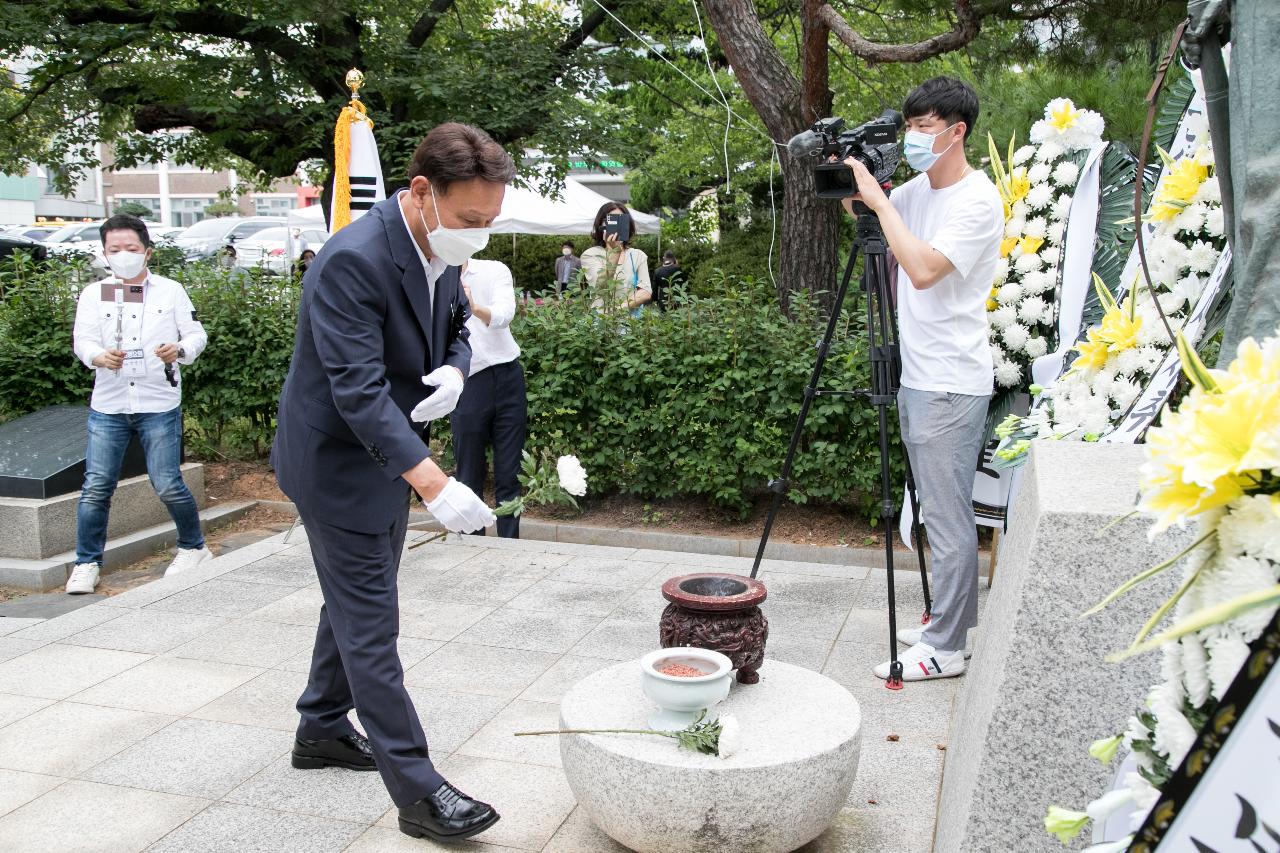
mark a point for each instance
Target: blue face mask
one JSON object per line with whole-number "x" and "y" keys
{"x": 917, "y": 147}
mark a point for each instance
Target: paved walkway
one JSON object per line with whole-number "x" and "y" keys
{"x": 161, "y": 719}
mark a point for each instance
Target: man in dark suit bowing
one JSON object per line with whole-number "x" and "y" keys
{"x": 381, "y": 306}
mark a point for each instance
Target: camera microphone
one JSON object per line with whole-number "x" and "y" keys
{"x": 806, "y": 143}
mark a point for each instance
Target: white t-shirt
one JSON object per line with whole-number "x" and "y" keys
{"x": 491, "y": 286}
{"x": 943, "y": 329}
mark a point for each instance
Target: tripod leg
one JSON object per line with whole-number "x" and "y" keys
{"x": 915, "y": 539}
{"x": 780, "y": 485}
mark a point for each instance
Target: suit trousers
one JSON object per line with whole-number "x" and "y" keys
{"x": 492, "y": 412}
{"x": 355, "y": 663}
{"x": 943, "y": 435}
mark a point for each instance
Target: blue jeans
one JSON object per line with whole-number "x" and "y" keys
{"x": 109, "y": 436}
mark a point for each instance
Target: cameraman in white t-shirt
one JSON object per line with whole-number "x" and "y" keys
{"x": 944, "y": 228}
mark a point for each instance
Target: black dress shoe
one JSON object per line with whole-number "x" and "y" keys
{"x": 350, "y": 751}
{"x": 447, "y": 815}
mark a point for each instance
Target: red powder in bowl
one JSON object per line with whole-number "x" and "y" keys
{"x": 679, "y": 670}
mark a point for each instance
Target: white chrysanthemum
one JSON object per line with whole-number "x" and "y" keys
{"x": 1015, "y": 336}
{"x": 1188, "y": 289}
{"x": 573, "y": 479}
{"x": 1251, "y": 527}
{"x": 1190, "y": 220}
{"x": 1152, "y": 331}
{"x": 1031, "y": 310}
{"x": 1066, "y": 174}
{"x": 1169, "y": 255}
{"x": 1040, "y": 196}
{"x": 1226, "y": 656}
{"x": 1036, "y": 282}
{"x": 1151, "y": 358}
{"x": 1036, "y": 346}
{"x": 1124, "y": 392}
{"x": 1095, "y": 416}
{"x": 1008, "y": 374}
{"x": 1171, "y": 672}
{"x": 997, "y": 353}
{"x": 1035, "y": 227}
{"x": 1020, "y": 210}
{"x": 1174, "y": 735}
{"x": 1061, "y": 208}
{"x": 1089, "y": 128}
{"x": 1215, "y": 222}
{"x": 1210, "y": 192}
{"x": 1027, "y": 263}
{"x": 1008, "y": 293}
{"x": 1195, "y": 669}
{"x": 1051, "y": 256}
{"x": 1023, "y": 154}
{"x": 1057, "y": 230}
{"x": 1039, "y": 173}
{"x": 1235, "y": 576}
{"x": 1002, "y": 317}
{"x": 1013, "y": 228}
{"x": 1203, "y": 257}
{"x": 1002, "y": 270}
{"x": 1129, "y": 362}
{"x": 730, "y": 740}
{"x": 1049, "y": 152}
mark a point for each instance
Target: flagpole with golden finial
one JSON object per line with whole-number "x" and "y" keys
{"x": 353, "y": 112}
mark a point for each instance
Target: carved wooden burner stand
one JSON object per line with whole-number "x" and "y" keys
{"x": 719, "y": 612}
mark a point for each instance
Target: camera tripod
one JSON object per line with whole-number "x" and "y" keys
{"x": 886, "y": 368}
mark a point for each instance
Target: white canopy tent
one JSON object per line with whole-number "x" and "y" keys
{"x": 525, "y": 211}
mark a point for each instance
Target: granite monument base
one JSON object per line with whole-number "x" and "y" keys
{"x": 801, "y": 733}
{"x": 1038, "y": 690}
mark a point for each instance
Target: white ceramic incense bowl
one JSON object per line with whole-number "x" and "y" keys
{"x": 681, "y": 699}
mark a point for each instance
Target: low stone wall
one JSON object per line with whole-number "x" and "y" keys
{"x": 1038, "y": 689}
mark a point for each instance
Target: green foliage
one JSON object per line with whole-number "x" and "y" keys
{"x": 699, "y": 401}
{"x": 134, "y": 208}
{"x": 37, "y": 365}
{"x": 222, "y": 208}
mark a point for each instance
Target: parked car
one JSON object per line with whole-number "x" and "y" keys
{"x": 76, "y": 237}
{"x": 203, "y": 239}
{"x": 12, "y": 243}
{"x": 31, "y": 232}
{"x": 267, "y": 248}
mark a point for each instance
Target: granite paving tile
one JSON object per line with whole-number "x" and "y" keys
{"x": 51, "y": 630}
{"x": 249, "y": 642}
{"x": 532, "y": 800}
{"x": 56, "y": 671}
{"x": 563, "y": 674}
{"x": 620, "y": 639}
{"x": 480, "y": 669}
{"x": 617, "y": 572}
{"x": 549, "y": 596}
{"x": 300, "y": 607}
{"x": 435, "y": 619}
{"x": 11, "y": 648}
{"x": 222, "y": 598}
{"x": 787, "y": 590}
{"x": 230, "y": 828}
{"x": 67, "y": 738}
{"x": 267, "y": 701}
{"x": 521, "y": 629}
{"x": 11, "y": 624}
{"x": 333, "y": 792}
{"x": 14, "y": 708}
{"x": 168, "y": 685}
{"x": 383, "y": 839}
{"x": 497, "y": 740}
{"x": 579, "y": 835}
{"x": 146, "y": 631}
{"x": 449, "y": 718}
{"x": 18, "y": 788}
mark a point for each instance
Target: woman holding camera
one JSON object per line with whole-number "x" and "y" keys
{"x": 612, "y": 260}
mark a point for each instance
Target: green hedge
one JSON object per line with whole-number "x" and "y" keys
{"x": 694, "y": 402}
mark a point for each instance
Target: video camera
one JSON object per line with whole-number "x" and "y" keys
{"x": 874, "y": 144}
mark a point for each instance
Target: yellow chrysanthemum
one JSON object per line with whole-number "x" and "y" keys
{"x": 1093, "y": 353}
{"x": 1065, "y": 116}
{"x": 1031, "y": 245}
{"x": 1007, "y": 245}
{"x": 1180, "y": 185}
{"x": 1120, "y": 327}
{"x": 992, "y": 302}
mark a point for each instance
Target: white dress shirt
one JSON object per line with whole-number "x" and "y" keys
{"x": 165, "y": 316}
{"x": 433, "y": 267}
{"x": 491, "y": 287}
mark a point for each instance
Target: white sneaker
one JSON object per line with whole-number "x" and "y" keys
{"x": 922, "y": 662}
{"x": 83, "y": 580}
{"x": 911, "y": 636}
{"x": 188, "y": 558}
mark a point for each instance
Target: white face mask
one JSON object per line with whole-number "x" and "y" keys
{"x": 566, "y": 252}
{"x": 454, "y": 246}
{"x": 127, "y": 265}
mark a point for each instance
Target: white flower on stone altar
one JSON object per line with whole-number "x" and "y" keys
{"x": 730, "y": 736}
{"x": 1008, "y": 293}
{"x": 1031, "y": 310}
{"x": 1027, "y": 263}
{"x": 1061, "y": 207}
{"x": 1066, "y": 173}
{"x": 1048, "y": 152}
{"x": 1002, "y": 270}
{"x": 1040, "y": 196}
{"x": 1226, "y": 656}
{"x": 1003, "y": 317}
{"x": 1039, "y": 173}
{"x": 1203, "y": 257}
{"x": 1215, "y": 222}
{"x": 1195, "y": 669}
{"x": 1008, "y": 374}
{"x": 1013, "y": 228}
{"x": 1015, "y": 336}
{"x": 1051, "y": 255}
{"x": 1036, "y": 346}
{"x": 1023, "y": 154}
{"x": 1057, "y": 230}
{"x": 1251, "y": 527}
{"x": 573, "y": 479}
{"x": 1035, "y": 227}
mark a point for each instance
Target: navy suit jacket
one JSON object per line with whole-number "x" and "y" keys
{"x": 367, "y": 334}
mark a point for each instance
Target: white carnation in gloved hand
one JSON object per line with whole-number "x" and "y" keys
{"x": 573, "y": 479}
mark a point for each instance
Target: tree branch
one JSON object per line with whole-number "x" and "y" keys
{"x": 968, "y": 22}
{"x": 589, "y": 25}
{"x": 426, "y": 23}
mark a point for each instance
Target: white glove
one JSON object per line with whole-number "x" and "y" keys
{"x": 448, "y": 382}
{"x": 459, "y": 510}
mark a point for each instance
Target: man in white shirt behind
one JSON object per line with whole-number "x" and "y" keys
{"x": 134, "y": 339}
{"x": 944, "y": 227}
{"x": 493, "y": 408}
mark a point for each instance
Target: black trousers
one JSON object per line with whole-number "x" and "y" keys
{"x": 492, "y": 412}
{"x": 355, "y": 663}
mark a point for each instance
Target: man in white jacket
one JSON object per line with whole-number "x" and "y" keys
{"x": 134, "y": 329}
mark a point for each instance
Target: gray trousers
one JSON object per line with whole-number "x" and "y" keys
{"x": 943, "y": 434}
